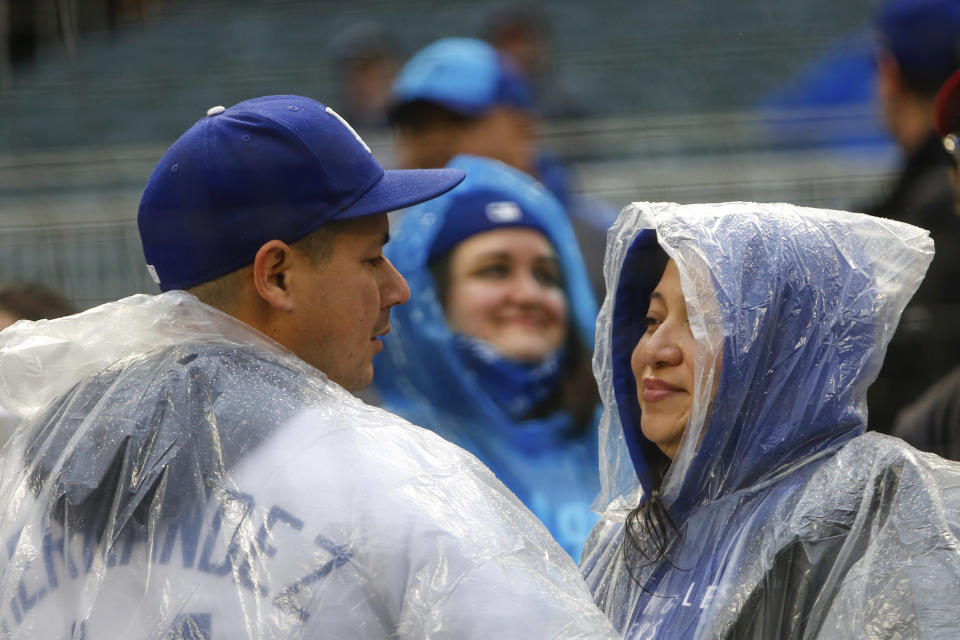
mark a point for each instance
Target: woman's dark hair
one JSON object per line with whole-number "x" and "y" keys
{"x": 32, "y": 301}
{"x": 576, "y": 394}
{"x": 649, "y": 529}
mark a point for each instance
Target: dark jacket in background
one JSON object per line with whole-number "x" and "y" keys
{"x": 932, "y": 423}
{"x": 926, "y": 345}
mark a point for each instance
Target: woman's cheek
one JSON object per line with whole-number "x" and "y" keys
{"x": 557, "y": 305}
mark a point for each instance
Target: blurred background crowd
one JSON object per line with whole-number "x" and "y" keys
{"x": 689, "y": 102}
{"x": 826, "y": 103}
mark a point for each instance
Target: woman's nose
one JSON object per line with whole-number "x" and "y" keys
{"x": 525, "y": 287}
{"x": 660, "y": 349}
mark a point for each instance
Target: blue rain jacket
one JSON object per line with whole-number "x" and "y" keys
{"x": 792, "y": 522}
{"x": 420, "y": 376}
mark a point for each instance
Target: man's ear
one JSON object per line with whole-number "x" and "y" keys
{"x": 271, "y": 269}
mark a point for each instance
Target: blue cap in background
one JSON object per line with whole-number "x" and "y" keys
{"x": 479, "y": 209}
{"x": 923, "y": 36}
{"x": 465, "y": 75}
{"x": 276, "y": 167}
{"x": 494, "y": 196}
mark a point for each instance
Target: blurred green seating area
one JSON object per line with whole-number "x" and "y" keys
{"x": 680, "y": 104}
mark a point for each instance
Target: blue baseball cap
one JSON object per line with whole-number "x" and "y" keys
{"x": 465, "y": 75}
{"x": 276, "y": 167}
{"x": 480, "y": 210}
{"x": 494, "y": 196}
{"x": 923, "y": 36}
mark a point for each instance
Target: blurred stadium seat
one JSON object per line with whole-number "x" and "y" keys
{"x": 676, "y": 88}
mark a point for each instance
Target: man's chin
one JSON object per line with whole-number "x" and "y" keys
{"x": 355, "y": 380}
{"x": 363, "y": 380}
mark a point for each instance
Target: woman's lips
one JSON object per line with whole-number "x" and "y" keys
{"x": 534, "y": 322}
{"x": 655, "y": 389}
{"x": 377, "y": 339}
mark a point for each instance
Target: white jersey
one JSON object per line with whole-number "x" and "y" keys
{"x": 220, "y": 488}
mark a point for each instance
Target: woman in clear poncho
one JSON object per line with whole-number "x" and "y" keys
{"x": 751, "y": 333}
{"x": 493, "y": 350}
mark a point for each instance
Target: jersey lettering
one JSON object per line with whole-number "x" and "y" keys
{"x": 67, "y": 557}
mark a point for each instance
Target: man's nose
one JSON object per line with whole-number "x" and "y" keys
{"x": 395, "y": 289}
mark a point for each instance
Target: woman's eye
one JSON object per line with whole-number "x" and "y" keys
{"x": 548, "y": 278}
{"x": 651, "y": 323}
{"x": 377, "y": 261}
{"x": 494, "y": 271}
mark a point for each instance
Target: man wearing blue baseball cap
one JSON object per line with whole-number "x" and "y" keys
{"x": 191, "y": 470}
{"x": 247, "y": 208}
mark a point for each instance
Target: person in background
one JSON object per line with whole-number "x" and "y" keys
{"x": 493, "y": 353}
{"x": 932, "y": 422}
{"x": 919, "y": 47}
{"x": 523, "y": 32}
{"x": 745, "y": 499}
{"x": 462, "y": 96}
{"x": 364, "y": 65}
{"x": 457, "y": 96}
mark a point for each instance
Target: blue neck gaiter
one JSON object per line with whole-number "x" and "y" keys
{"x": 517, "y": 388}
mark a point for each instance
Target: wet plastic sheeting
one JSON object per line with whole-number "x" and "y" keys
{"x": 178, "y": 475}
{"x": 793, "y": 522}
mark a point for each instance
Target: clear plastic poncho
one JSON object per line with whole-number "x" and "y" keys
{"x": 792, "y": 522}
{"x": 179, "y": 475}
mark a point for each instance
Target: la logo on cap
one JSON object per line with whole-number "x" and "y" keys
{"x": 349, "y": 128}
{"x": 503, "y": 212}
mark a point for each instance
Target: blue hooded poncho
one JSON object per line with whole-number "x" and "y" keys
{"x": 792, "y": 523}
{"x": 422, "y": 376}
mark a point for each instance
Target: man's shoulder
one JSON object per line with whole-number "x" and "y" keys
{"x": 344, "y": 466}
{"x": 357, "y": 456}
{"x": 345, "y": 429}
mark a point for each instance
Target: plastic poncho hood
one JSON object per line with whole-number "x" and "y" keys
{"x": 798, "y": 305}
{"x": 420, "y": 331}
{"x": 177, "y": 474}
{"x": 791, "y": 521}
{"x": 424, "y": 376}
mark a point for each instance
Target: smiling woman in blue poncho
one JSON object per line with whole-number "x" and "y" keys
{"x": 493, "y": 350}
{"x": 743, "y": 497}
